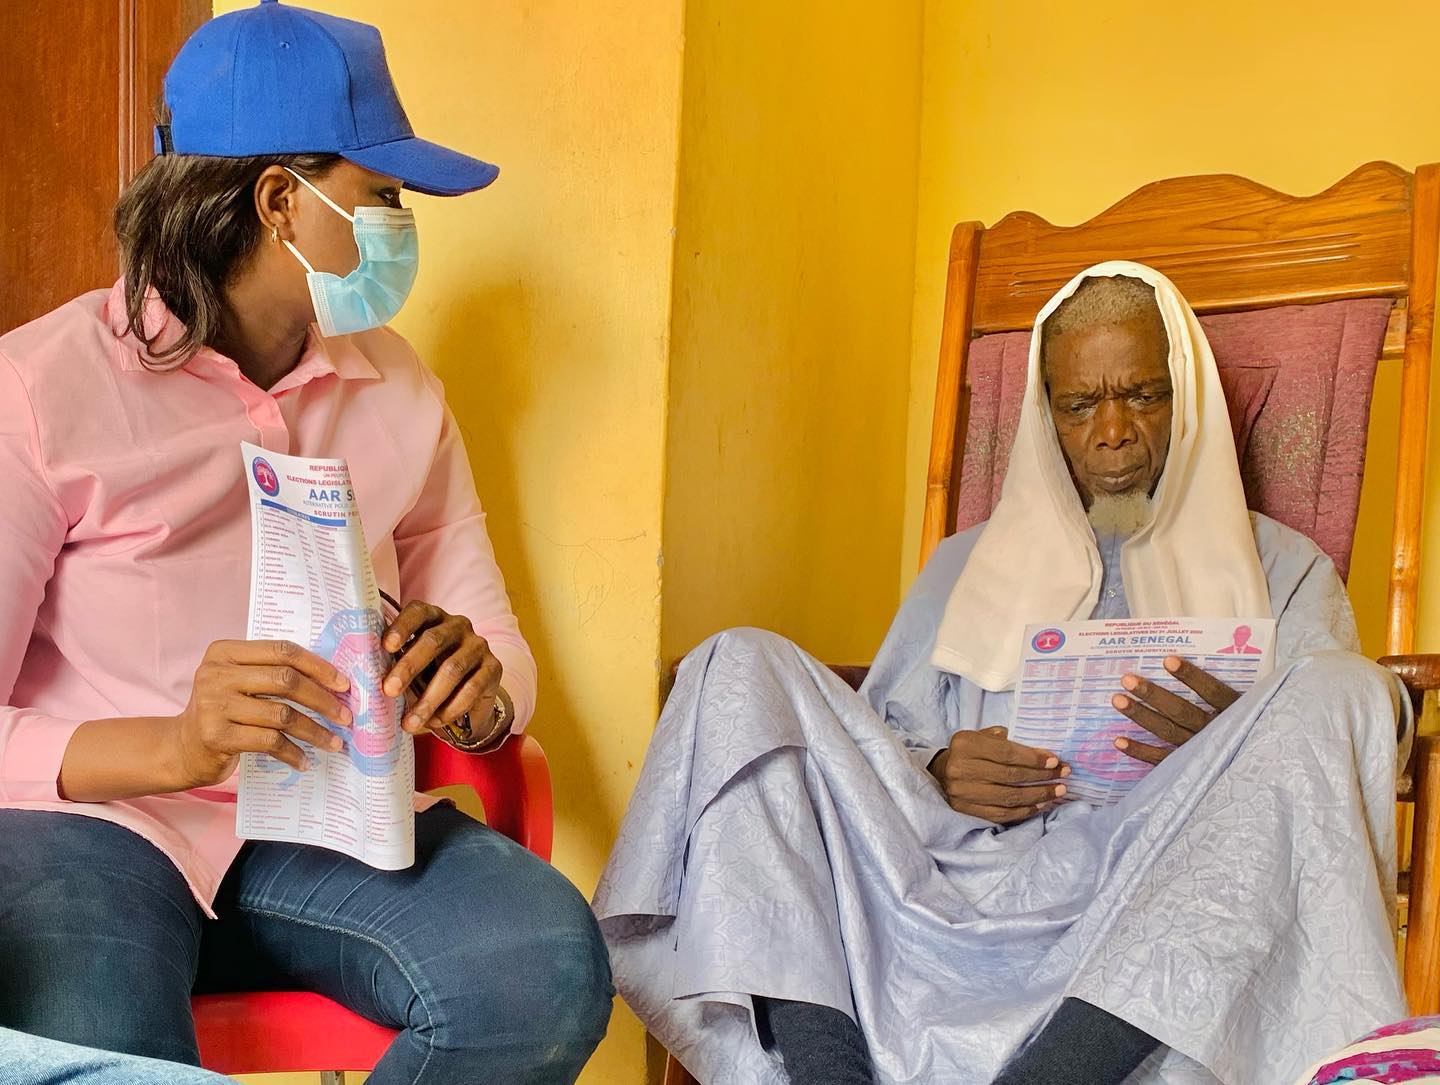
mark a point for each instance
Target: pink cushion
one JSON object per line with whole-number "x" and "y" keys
{"x": 1297, "y": 381}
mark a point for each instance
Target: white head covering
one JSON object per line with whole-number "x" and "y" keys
{"x": 1036, "y": 558}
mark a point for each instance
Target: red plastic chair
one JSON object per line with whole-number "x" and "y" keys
{"x": 267, "y": 1032}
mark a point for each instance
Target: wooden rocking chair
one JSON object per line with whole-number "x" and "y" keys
{"x": 1251, "y": 261}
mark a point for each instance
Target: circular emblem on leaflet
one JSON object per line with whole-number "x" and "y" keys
{"x": 1048, "y": 640}
{"x": 351, "y": 641}
{"x": 265, "y": 476}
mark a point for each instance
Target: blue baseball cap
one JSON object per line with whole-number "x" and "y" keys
{"x": 275, "y": 79}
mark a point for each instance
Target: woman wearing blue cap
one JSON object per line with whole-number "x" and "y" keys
{"x": 264, "y": 249}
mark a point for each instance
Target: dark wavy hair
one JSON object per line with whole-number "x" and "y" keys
{"x": 186, "y": 224}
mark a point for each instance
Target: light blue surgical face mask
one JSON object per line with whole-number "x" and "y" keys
{"x": 373, "y": 293}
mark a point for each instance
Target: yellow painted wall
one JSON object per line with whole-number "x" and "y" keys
{"x": 792, "y": 297}
{"x": 543, "y": 303}
{"x": 1062, "y": 108}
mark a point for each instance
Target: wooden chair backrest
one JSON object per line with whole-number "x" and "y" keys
{"x": 1228, "y": 244}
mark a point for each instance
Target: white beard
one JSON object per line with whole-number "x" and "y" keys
{"x": 1119, "y": 514}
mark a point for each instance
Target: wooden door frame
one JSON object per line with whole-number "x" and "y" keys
{"x": 79, "y": 77}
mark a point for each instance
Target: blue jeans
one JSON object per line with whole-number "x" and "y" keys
{"x": 484, "y": 955}
{"x": 30, "y": 1060}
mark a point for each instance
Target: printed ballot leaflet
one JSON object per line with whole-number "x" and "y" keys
{"x": 311, "y": 583}
{"x": 1070, "y": 672}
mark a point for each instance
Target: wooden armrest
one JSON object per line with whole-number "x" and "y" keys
{"x": 1424, "y": 763}
{"x": 1418, "y": 672}
{"x": 1422, "y": 950}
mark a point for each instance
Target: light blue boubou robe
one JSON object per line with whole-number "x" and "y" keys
{"x": 785, "y": 840}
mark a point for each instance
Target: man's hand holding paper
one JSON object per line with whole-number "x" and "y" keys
{"x": 1168, "y": 716}
{"x": 1114, "y": 697}
{"x": 986, "y": 775}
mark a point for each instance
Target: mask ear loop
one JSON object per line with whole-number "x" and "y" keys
{"x": 309, "y": 269}
{"x": 331, "y": 203}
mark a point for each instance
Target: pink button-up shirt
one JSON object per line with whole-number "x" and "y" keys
{"x": 125, "y": 534}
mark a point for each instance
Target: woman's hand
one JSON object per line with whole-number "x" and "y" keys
{"x": 464, "y": 673}
{"x": 986, "y": 775}
{"x": 1168, "y": 716}
{"x": 232, "y": 711}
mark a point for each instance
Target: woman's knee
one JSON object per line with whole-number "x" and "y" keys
{"x": 125, "y": 1019}
{"x": 560, "y": 988}
{"x": 99, "y": 936}
{"x": 573, "y": 970}
{"x": 528, "y": 968}
{"x": 115, "y": 998}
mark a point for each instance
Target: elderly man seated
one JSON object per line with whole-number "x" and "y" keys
{"x": 817, "y": 886}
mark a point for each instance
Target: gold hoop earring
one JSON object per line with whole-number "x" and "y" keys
{"x": 274, "y": 234}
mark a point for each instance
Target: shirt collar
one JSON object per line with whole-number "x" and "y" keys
{"x": 318, "y": 358}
